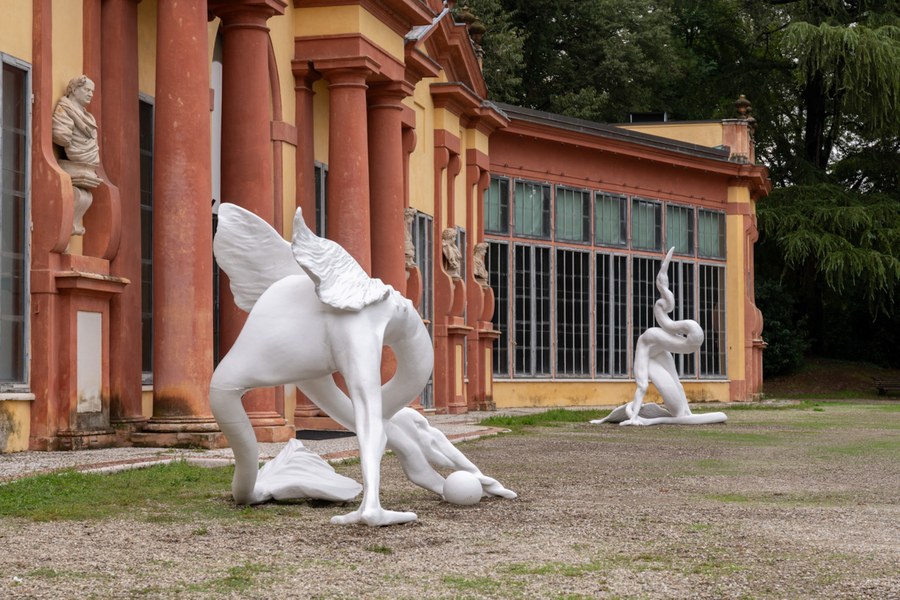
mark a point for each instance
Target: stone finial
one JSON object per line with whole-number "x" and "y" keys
{"x": 745, "y": 112}
{"x": 452, "y": 255}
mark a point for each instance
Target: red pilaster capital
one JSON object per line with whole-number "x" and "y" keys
{"x": 347, "y": 72}
{"x": 389, "y": 95}
{"x": 304, "y": 75}
{"x": 245, "y": 14}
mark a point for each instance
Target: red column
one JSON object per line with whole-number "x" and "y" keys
{"x": 304, "y": 77}
{"x": 247, "y": 178}
{"x": 348, "y": 220}
{"x": 121, "y": 156}
{"x": 386, "y": 181}
{"x": 182, "y": 232}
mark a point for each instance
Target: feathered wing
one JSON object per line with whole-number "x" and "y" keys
{"x": 251, "y": 253}
{"x": 340, "y": 281}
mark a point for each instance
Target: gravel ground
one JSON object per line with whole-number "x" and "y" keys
{"x": 772, "y": 504}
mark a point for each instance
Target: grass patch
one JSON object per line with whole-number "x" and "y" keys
{"x": 379, "y": 549}
{"x": 163, "y": 493}
{"x": 864, "y": 448}
{"x": 548, "y": 418}
{"x": 236, "y": 579}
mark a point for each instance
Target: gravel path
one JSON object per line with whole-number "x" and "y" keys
{"x": 773, "y": 504}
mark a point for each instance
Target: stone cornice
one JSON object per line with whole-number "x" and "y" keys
{"x": 399, "y": 15}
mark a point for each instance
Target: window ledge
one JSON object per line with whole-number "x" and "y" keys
{"x": 17, "y": 396}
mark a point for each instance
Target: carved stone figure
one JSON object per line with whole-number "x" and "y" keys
{"x": 314, "y": 312}
{"x": 452, "y": 255}
{"x": 653, "y": 362}
{"x": 75, "y": 129}
{"x": 481, "y": 273}
{"x": 409, "y": 249}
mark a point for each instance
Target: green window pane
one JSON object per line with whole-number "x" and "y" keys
{"x": 571, "y": 215}
{"x": 645, "y": 224}
{"x": 711, "y": 234}
{"x": 609, "y": 220}
{"x": 680, "y": 229}
{"x": 532, "y": 209}
{"x": 496, "y": 206}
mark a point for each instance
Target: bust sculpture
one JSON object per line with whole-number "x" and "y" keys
{"x": 409, "y": 248}
{"x": 481, "y": 273}
{"x": 75, "y": 130}
{"x": 452, "y": 255}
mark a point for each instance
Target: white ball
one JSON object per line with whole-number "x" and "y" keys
{"x": 461, "y": 487}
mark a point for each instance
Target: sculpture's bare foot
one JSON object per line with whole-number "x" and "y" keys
{"x": 374, "y": 517}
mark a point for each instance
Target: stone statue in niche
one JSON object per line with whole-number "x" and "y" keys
{"x": 653, "y": 362}
{"x": 314, "y": 312}
{"x": 75, "y": 130}
{"x": 452, "y": 255}
{"x": 481, "y": 273}
{"x": 409, "y": 248}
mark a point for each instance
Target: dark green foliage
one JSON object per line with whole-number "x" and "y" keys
{"x": 784, "y": 331}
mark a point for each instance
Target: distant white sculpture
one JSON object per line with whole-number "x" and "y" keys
{"x": 653, "y": 362}
{"x": 314, "y": 312}
{"x": 75, "y": 129}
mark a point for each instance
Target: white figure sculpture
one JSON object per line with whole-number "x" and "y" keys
{"x": 653, "y": 362}
{"x": 314, "y": 312}
{"x": 75, "y": 129}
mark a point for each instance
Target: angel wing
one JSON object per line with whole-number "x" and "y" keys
{"x": 340, "y": 281}
{"x": 251, "y": 253}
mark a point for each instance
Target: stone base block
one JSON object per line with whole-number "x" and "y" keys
{"x": 318, "y": 424}
{"x": 274, "y": 433}
{"x": 179, "y": 439}
{"x": 75, "y": 440}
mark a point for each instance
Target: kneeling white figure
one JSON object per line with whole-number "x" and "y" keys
{"x": 653, "y": 363}
{"x": 313, "y": 311}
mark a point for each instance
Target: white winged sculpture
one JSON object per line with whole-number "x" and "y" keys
{"x": 314, "y": 312}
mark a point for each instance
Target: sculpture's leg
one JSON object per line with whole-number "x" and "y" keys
{"x": 234, "y": 423}
{"x": 641, "y": 378}
{"x": 664, "y": 375}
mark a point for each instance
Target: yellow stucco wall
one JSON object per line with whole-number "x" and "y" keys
{"x": 320, "y": 127}
{"x": 68, "y": 46}
{"x": 147, "y": 47}
{"x": 16, "y": 29}
{"x": 702, "y": 134}
{"x": 521, "y": 394}
{"x": 336, "y": 20}
{"x": 15, "y": 422}
{"x": 421, "y": 161}
{"x": 736, "y": 285}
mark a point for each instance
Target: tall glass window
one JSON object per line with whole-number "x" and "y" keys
{"x": 498, "y": 269}
{"x": 13, "y": 224}
{"x": 422, "y": 234}
{"x": 712, "y": 320}
{"x": 146, "y": 142}
{"x": 612, "y": 315}
{"x": 321, "y": 174}
{"x": 610, "y": 220}
{"x": 496, "y": 206}
{"x": 532, "y": 204}
{"x": 532, "y": 310}
{"x": 573, "y": 318}
{"x": 573, "y": 215}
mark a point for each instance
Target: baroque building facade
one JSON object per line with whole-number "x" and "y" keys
{"x": 528, "y": 241}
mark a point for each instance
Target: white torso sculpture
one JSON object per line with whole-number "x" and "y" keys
{"x": 653, "y": 362}
{"x": 75, "y": 130}
{"x": 314, "y": 312}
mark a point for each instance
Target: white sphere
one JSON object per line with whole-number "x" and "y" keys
{"x": 461, "y": 487}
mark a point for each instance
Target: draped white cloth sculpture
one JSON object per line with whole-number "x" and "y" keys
{"x": 314, "y": 312}
{"x": 653, "y": 362}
